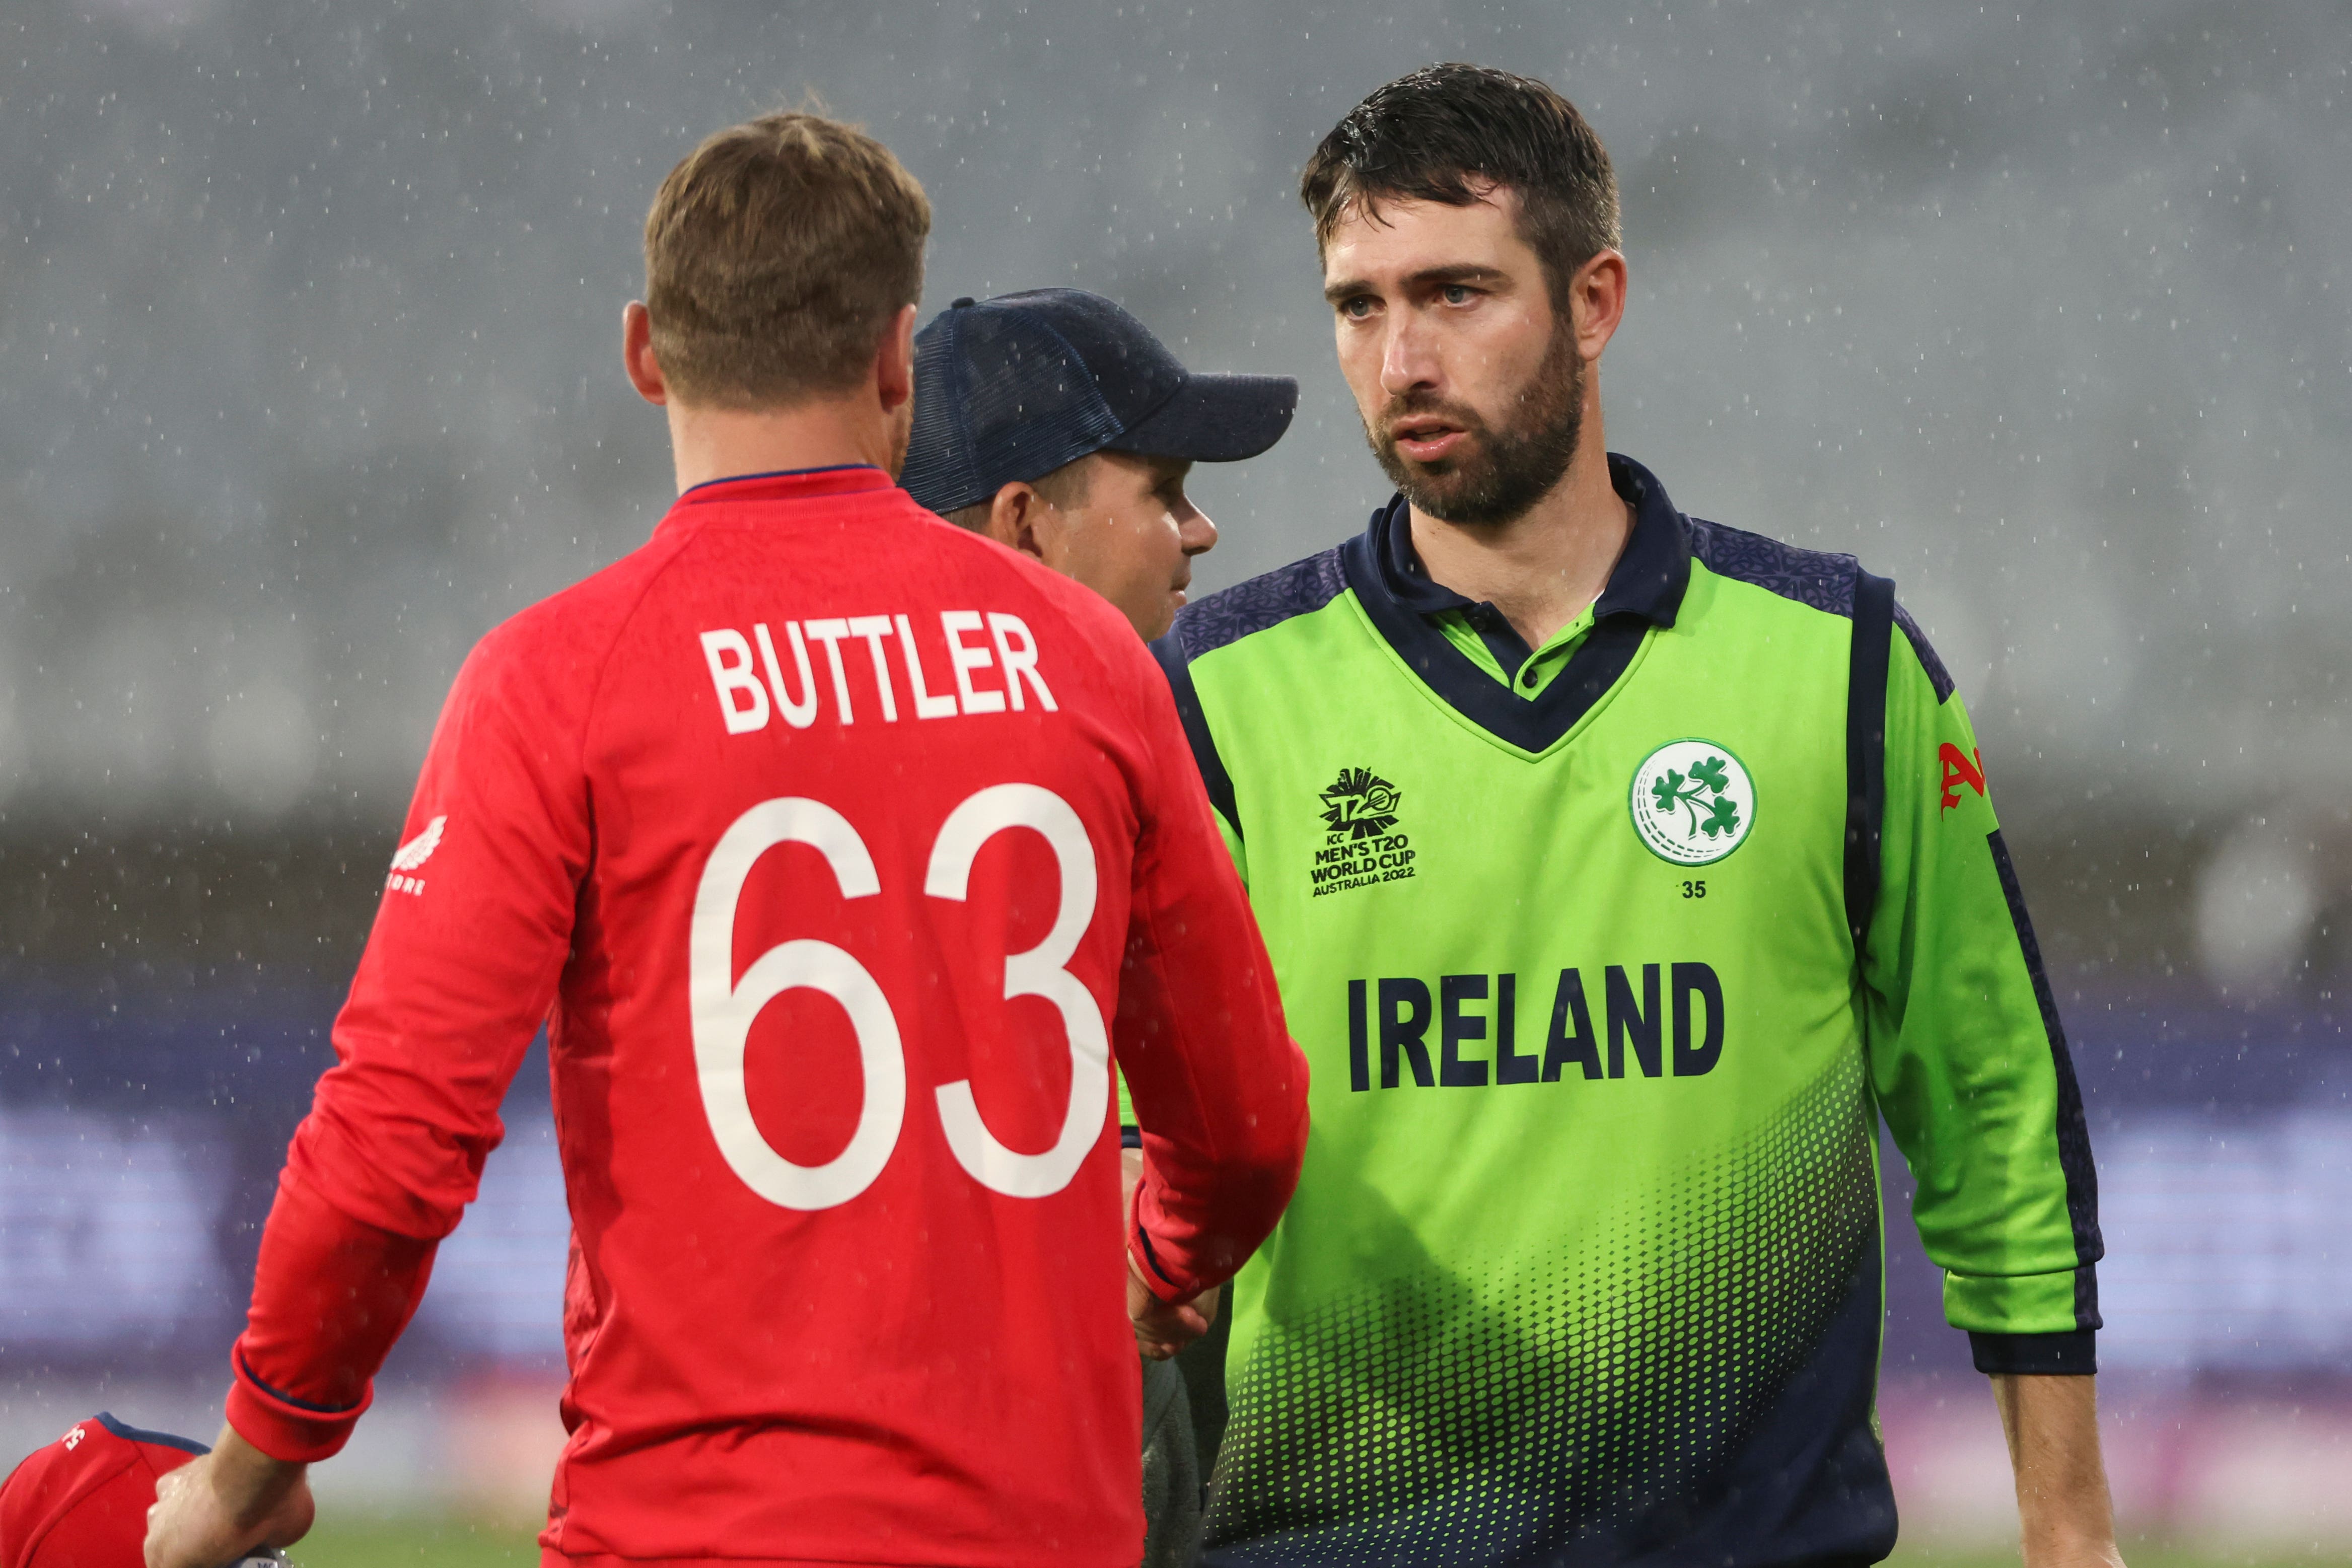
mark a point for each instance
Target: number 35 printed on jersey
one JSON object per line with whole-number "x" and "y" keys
{"x": 724, "y": 1008}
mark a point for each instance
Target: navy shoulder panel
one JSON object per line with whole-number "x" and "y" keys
{"x": 1227, "y": 616}
{"x": 1298, "y": 589}
{"x": 1938, "y": 676}
{"x": 1811, "y": 577}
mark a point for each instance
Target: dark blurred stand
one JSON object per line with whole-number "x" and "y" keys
{"x": 188, "y": 982}
{"x": 190, "y": 978}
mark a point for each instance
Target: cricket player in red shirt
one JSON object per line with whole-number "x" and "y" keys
{"x": 839, "y": 848}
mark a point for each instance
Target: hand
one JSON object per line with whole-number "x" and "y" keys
{"x": 226, "y": 1504}
{"x": 1163, "y": 1328}
{"x": 1160, "y": 1329}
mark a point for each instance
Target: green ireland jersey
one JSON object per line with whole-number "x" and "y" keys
{"x": 1607, "y": 956}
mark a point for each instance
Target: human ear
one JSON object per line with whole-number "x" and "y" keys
{"x": 1012, "y": 518}
{"x": 1596, "y": 302}
{"x": 638, "y": 354}
{"x": 894, "y": 361}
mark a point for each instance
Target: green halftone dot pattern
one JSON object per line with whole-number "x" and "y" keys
{"x": 1420, "y": 1419}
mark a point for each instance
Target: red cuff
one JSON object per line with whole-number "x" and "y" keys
{"x": 330, "y": 1293}
{"x": 1147, "y": 1259}
{"x": 283, "y": 1428}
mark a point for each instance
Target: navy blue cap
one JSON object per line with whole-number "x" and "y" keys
{"x": 1014, "y": 387}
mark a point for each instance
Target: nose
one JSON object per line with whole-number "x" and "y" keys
{"x": 1195, "y": 531}
{"x": 1407, "y": 361}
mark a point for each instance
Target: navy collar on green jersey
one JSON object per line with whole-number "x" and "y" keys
{"x": 1645, "y": 590}
{"x": 1648, "y": 579}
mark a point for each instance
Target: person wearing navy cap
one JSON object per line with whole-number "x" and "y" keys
{"x": 1054, "y": 422}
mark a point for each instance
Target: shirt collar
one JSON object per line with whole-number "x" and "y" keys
{"x": 788, "y": 484}
{"x": 1648, "y": 581}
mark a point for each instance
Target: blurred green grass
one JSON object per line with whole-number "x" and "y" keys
{"x": 405, "y": 1541}
{"x": 364, "y": 1541}
{"x": 2137, "y": 1554}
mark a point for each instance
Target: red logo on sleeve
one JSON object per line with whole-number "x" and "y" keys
{"x": 1960, "y": 768}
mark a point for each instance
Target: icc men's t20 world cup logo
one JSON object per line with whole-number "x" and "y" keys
{"x": 1361, "y": 844}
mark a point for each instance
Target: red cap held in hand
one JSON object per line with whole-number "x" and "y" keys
{"x": 82, "y": 1502}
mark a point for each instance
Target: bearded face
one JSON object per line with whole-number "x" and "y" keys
{"x": 1505, "y": 463}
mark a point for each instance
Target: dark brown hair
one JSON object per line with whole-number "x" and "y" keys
{"x": 776, "y": 255}
{"x": 1449, "y": 132}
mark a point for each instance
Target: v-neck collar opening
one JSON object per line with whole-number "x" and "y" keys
{"x": 1645, "y": 590}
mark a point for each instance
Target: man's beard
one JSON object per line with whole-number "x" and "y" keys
{"x": 1500, "y": 474}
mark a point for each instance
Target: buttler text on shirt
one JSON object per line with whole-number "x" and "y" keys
{"x": 970, "y": 663}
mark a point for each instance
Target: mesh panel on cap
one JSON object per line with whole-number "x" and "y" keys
{"x": 939, "y": 472}
{"x": 1003, "y": 398}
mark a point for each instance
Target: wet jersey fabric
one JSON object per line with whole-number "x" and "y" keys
{"x": 843, "y": 845}
{"x": 1584, "y": 1265}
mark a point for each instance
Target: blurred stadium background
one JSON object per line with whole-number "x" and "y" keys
{"x": 308, "y": 321}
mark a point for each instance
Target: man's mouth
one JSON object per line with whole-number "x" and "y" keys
{"x": 1426, "y": 440}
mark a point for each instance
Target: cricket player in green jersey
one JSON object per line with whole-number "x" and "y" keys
{"x": 1619, "y": 869}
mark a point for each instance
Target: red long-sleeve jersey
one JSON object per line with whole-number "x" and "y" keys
{"x": 836, "y": 847}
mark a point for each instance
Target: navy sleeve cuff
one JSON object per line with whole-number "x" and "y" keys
{"x": 1130, "y": 1137}
{"x": 2036, "y": 1355}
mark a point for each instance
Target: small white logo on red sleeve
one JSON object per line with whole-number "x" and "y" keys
{"x": 411, "y": 856}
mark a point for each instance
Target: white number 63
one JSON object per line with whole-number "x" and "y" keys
{"x": 723, "y": 1007}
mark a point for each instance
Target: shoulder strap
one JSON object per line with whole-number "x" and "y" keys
{"x": 1173, "y": 664}
{"x": 1865, "y": 749}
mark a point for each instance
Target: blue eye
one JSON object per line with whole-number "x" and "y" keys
{"x": 1457, "y": 294}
